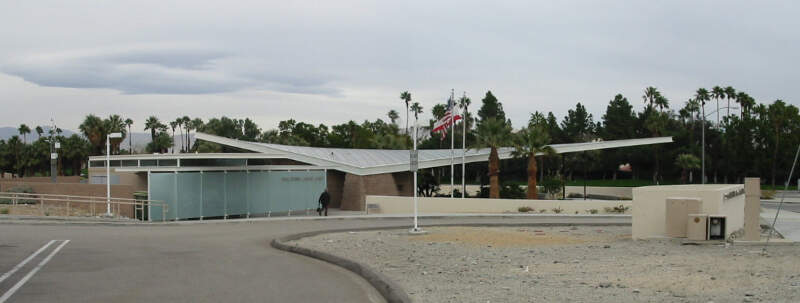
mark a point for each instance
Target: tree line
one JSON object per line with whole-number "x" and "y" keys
{"x": 741, "y": 137}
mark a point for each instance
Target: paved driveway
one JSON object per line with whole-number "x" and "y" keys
{"x": 217, "y": 262}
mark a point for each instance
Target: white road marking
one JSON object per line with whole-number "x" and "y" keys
{"x": 28, "y": 259}
{"x": 30, "y": 274}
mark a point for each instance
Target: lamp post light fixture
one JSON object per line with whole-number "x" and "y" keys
{"x": 108, "y": 170}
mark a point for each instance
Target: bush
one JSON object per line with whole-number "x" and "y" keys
{"x": 575, "y": 195}
{"x": 525, "y": 209}
{"x": 621, "y": 209}
{"x": 512, "y": 191}
{"x": 767, "y": 194}
{"x": 4, "y": 211}
{"x": 541, "y": 211}
{"x": 20, "y": 189}
{"x": 551, "y": 186}
{"x": 593, "y": 211}
{"x": 557, "y": 210}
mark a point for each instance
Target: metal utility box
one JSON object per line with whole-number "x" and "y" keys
{"x": 697, "y": 227}
{"x": 716, "y": 227}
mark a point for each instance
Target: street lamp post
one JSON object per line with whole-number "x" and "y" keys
{"x": 703, "y": 128}
{"x": 108, "y": 170}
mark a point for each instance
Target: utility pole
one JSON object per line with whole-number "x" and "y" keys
{"x": 53, "y": 152}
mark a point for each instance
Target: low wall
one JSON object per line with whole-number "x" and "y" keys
{"x": 59, "y": 179}
{"x": 429, "y": 205}
{"x": 622, "y": 192}
{"x": 75, "y": 189}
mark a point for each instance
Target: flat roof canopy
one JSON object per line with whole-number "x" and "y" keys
{"x": 362, "y": 161}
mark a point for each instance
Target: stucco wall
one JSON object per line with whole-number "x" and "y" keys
{"x": 622, "y": 192}
{"x": 357, "y": 188}
{"x": 429, "y": 205}
{"x": 649, "y": 206}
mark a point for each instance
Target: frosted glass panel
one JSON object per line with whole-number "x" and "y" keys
{"x": 189, "y": 195}
{"x": 236, "y": 193}
{"x": 213, "y": 194}
{"x": 162, "y": 188}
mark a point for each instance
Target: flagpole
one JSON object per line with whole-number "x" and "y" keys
{"x": 452, "y": 141}
{"x": 463, "y": 153}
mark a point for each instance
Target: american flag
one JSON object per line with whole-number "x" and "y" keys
{"x": 447, "y": 120}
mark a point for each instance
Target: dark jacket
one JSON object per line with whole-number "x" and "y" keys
{"x": 324, "y": 198}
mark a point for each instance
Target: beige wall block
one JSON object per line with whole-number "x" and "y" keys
{"x": 678, "y": 210}
{"x": 752, "y": 209}
{"x": 696, "y": 227}
{"x": 430, "y": 205}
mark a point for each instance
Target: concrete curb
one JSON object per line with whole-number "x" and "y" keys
{"x": 392, "y": 292}
{"x": 45, "y": 221}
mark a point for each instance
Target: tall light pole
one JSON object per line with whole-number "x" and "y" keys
{"x": 53, "y": 153}
{"x": 108, "y": 170}
{"x": 703, "y": 167}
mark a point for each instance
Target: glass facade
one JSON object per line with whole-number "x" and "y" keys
{"x": 235, "y": 193}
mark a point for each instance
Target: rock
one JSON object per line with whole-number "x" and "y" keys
{"x": 749, "y": 294}
{"x": 636, "y": 290}
{"x": 713, "y": 278}
{"x": 605, "y": 285}
{"x": 606, "y": 246}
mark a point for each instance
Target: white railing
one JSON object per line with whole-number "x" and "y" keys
{"x": 72, "y": 203}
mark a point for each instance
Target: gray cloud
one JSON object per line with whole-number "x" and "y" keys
{"x": 160, "y": 70}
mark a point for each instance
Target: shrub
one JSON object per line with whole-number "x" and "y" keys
{"x": 541, "y": 211}
{"x": 512, "y": 191}
{"x": 4, "y": 211}
{"x": 20, "y": 189}
{"x": 525, "y": 209}
{"x": 552, "y": 186}
{"x": 767, "y": 194}
{"x": 592, "y": 211}
{"x": 557, "y": 210}
{"x": 575, "y": 195}
{"x": 621, "y": 209}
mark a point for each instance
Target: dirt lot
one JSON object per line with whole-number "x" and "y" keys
{"x": 567, "y": 264}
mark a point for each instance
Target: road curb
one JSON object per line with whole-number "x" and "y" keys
{"x": 390, "y": 290}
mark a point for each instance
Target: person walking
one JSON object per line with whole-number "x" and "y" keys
{"x": 324, "y": 200}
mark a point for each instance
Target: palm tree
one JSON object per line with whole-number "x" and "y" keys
{"x": 529, "y": 143}
{"x": 687, "y": 162}
{"x": 115, "y": 124}
{"x": 94, "y": 129}
{"x": 745, "y": 102}
{"x": 416, "y": 109}
{"x": 186, "y": 121}
{"x": 702, "y": 96}
{"x": 730, "y": 93}
{"x": 406, "y": 97}
{"x": 39, "y": 131}
{"x": 493, "y": 133}
{"x": 392, "y": 114}
{"x": 24, "y": 130}
{"x": 650, "y": 95}
{"x": 717, "y": 92}
{"x": 173, "y": 124}
{"x": 153, "y": 124}
{"x": 129, "y": 123}
{"x": 662, "y": 102}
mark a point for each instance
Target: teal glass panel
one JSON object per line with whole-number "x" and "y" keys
{"x": 189, "y": 195}
{"x": 162, "y": 188}
{"x": 214, "y": 194}
{"x": 236, "y": 193}
{"x": 257, "y": 192}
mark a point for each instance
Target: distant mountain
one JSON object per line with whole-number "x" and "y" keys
{"x": 140, "y": 140}
{"x": 8, "y": 132}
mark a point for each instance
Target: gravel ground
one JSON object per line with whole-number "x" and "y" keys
{"x": 567, "y": 264}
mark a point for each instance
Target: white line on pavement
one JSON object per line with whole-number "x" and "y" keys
{"x": 31, "y": 273}
{"x": 28, "y": 259}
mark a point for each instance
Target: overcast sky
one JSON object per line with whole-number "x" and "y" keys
{"x": 333, "y": 61}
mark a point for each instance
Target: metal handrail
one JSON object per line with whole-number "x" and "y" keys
{"x": 92, "y": 200}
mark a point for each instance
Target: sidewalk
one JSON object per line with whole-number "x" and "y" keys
{"x": 788, "y": 223}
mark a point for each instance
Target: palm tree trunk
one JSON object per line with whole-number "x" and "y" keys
{"x": 494, "y": 170}
{"x": 532, "y": 170}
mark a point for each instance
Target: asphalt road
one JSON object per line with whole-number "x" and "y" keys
{"x": 216, "y": 262}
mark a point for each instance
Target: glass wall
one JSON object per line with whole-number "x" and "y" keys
{"x": 235, "y": 193}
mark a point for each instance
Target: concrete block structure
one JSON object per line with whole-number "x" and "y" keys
{"x": 650, "y": 207}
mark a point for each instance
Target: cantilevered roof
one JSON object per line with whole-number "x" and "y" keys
{"x": 379, "y": 161}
